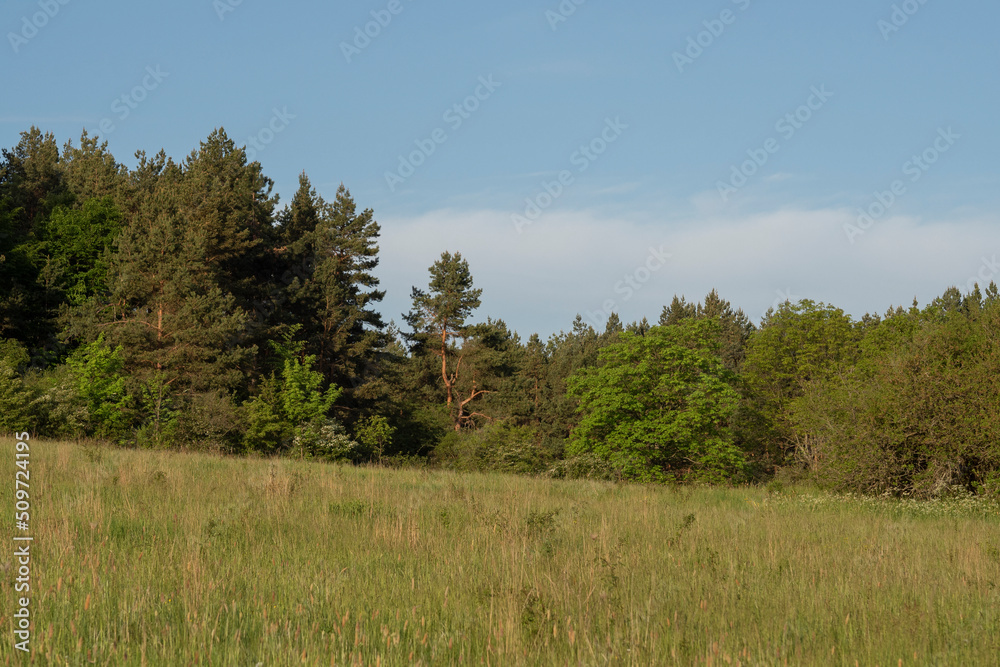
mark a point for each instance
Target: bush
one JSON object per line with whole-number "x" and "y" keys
{"x": 497, "y": 447}
{"x": 158, "y": 416}
{"x": 97, "y": 372}
{"x": 268, "y": 431}
{"x": 918, "y": 418}
{"x": 585, "y": 466}
{"x": 290, "y": 411}
{"x": 375, "y": 436}
{"x": 16, "y": 400}
{"x": 659, "y": 406}
{"x": 58, "y": 408}
{"x": 327, "y": 440}
{"x": 14, "y": 355}
{"x": 210, "y": 421}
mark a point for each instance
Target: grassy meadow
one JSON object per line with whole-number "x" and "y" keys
{"x": 145, "y": 557}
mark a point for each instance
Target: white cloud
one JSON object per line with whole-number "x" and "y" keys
{"x": 778, "y": 177}
{"x": 570, "y": 262}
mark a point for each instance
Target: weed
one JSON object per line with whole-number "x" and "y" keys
{"x": 540, "y": 523}
{"x": 685, "y": 525}
{"x": 93, "y": 450}
{"x": 349, "y": 508}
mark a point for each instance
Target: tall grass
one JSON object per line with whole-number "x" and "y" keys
{"x": 161, "y": 558}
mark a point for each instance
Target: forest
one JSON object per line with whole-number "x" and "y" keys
{"x": 176, "y": 305}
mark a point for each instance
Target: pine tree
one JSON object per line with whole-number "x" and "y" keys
{"x": 678, "y": 310}
{"x": 31, "y": 178}
{"x": 91, "y": 171}
{"x": 438, "y": 319}
{"x": 534, "y": 370}
{"x": 490, "y": 377}
{"x": 566, "y": 353}
{"x": 613, "y": 327}
{"x": 180, "y": 330}
{"x": 331, "y": 290}
{"x": 734, "y": 326}
{"x": 347, "y": 254}
{"x": 229, "y": 203}
{"x": 17, "y": 278}
{"x": 301, "y": 218}
{"x": 639, "y": 328}
{"x": 31, "y": 186}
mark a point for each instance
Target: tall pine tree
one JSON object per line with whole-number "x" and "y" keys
{"x": 329, "y": 255}
{"x": 439, "y": 322}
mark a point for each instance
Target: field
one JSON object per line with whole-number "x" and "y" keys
{"x": 145, "y": 557}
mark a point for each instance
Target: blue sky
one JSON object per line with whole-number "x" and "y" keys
{"x": 606, "y": 127}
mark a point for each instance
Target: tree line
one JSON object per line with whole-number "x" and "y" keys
{"x": 176, "y": 305}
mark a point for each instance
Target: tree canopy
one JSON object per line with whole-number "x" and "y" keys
{"x": 176, "y": 304}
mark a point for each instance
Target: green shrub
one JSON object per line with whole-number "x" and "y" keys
{"x": 327, "y": 440}
{"x": 916, "y": 418}
{"x": 499, "y": 447}
{"x": 585, "y": 466}
{"x": 13, "y": 354}
{"x": 290, "y": 411}
{"x": 15, "y": 402}
{"x": 99, "y": 378}
{"x": 59, "y": 409}
{"x": 268, "y": 430}
{"x": 375, "y": 436}
{"x": 210, "y": 421}
{"x": 659, "y": 405}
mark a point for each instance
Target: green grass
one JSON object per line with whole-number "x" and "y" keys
{"x": 164, "y": 558}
